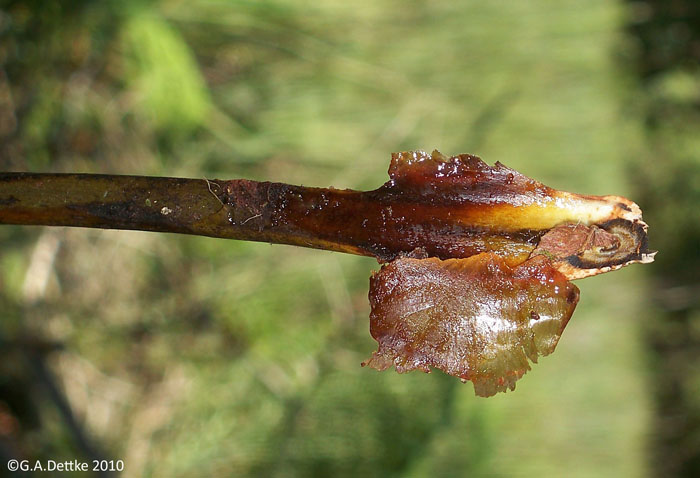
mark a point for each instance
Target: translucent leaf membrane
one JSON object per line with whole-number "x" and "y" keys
{"x": 477, "y": 318}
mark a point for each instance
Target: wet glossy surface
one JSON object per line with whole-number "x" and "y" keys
{"x": 449, "y": 207}
{"x": 446, "y": 207}
{"x": 477, "y": 318}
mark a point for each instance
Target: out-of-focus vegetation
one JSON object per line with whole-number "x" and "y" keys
{"x": 665, "y": 58}
{"x": 192, "y": 356}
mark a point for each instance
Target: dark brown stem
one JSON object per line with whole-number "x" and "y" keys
{"x": 432, "y": 206}
{"x": 110, "y": 202}
{"x": 237, "y": 209}
{"x": 381, "y": 223}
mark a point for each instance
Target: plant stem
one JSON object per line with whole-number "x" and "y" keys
{"x": 237, "y": 209}
{"x": 432, "y": 206}
{"x": 372, "y": 223}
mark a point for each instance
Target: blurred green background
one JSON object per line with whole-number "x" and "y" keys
{"x": 189, "y": 356}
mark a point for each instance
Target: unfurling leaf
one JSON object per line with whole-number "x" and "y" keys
{"x": 502, "y": 297}
{"x": 476, "y": 318}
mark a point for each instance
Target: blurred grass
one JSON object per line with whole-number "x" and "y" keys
{"x": 191, "y": 356}
{"x": 665, "y": 57}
